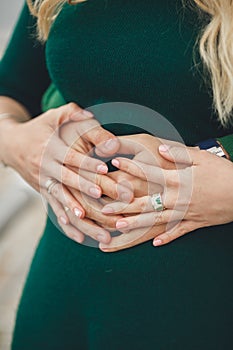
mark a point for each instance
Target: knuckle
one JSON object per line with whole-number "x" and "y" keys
{"x": 109, "y": 222}
{"x": 56, "y": 191}
{"x": 50, "y": 111}
{"x": 134, "y": 222}
{"x": 126, "y": 166}
{"x": 166, "y": 238}
{"x": 65, "y": 178}
{"x": 99, "y": 180}
{"x": 90, "y": 212}
{"x": 73, "y": 106}
{"x": 67, "y": 201}
{"x": 99, "y": 135}
{"x": 182, "y": 231}
{"x": 36, "y": 161}
{"x": 145, "y": 136}
{"x": 114, "y": 192}
{"x": 70, "y": 157}
{"x": 143, "y": 205}
{"x": 172, "y": 179}
{"x": 158, "y": 218}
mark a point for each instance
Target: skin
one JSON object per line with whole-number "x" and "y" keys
{"x": 189, "y": 210}
{"x": 171, "y": 170}
{"x": 145, "y": 147}
{"x": 52, "y": 158}
{"x": 114, "y": 185}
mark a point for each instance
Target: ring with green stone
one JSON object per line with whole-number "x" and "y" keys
{"x": 157, "y": 203}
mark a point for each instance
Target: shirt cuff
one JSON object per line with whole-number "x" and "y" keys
{"x": 227, "y": 143}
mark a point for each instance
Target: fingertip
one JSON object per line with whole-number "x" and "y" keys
{"x": 115, "y": 162}
{"x": 63, "y": 219}
{"x": 95, "y": 192}
{"x": 108, "y": 147}
{"x": 87, "y": 113}
{"x": 107, "y": 210}
{"x": 102, "y": 248}
{"x": 157, "y": 242}
{"x": 164, "y": 148}
{"x": 104, "y": 238}
{"x": 102, "y": 169}
{"x": 79, "y": 213}
{"x": 78, "y": 238}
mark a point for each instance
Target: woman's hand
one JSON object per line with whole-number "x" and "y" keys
{"x": 197, "y": 194}
{"x": 38, "y": 153}
{"x": 211, "y": 201}
{"x": 95, "y": 224}
{"x": 143, "y": 147}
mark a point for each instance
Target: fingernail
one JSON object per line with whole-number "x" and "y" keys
{"x": 121, "y": 224}
{"x": 77, "y": 212}
{"x": 102, "y": 169}
{"x": 157, "y": 242}
{"x": 63, "y": 220}
{"x": 111, "y": 144}
{"x": 95, "y": 192}
{"x": 164, "y": 148}
{"x": 87, "y": 113}
{"x": 78, "y": 239}
{"x": 125, "y": 197}
{"x": 116, "y": 163}
{"x": 107, "y": 210}
{"x": 102, "y": 238}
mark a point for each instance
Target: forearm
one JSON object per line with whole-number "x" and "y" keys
{"x": 12, "y": 112}
{"x": 11, "y": 106}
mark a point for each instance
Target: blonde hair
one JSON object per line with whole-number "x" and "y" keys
{"x": 216, "y": 44}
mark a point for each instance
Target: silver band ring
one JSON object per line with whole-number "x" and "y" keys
{"x": 156, "y": 201}
{"x": 50, "y": 184}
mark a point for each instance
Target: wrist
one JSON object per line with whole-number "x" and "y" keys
{"x": 7, "y": 140}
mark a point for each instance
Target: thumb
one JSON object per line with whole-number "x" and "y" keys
{"x": 176, "y": 154}
{"x": 67, "y": 113}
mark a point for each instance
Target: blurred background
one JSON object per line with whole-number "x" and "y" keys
{"x": 22, "y": 215}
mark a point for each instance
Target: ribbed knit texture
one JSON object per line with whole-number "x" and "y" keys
{"x": 176, "y": 297}
{"x": 227, "y": 143}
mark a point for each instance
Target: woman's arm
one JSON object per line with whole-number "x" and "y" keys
{"x": 34, "y": 148}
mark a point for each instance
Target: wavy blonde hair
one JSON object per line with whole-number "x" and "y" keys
{"x": 216, "y": 44}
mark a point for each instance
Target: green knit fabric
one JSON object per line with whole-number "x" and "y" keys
{"x": 227, "y": 143}
{"x": 171, "y": 298}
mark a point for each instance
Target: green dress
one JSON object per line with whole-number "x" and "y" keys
{"x": 175, "y": 297}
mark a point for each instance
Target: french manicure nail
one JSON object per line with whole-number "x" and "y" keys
{"x": 121, "y": 224}
{"x": 110, "y": 144}
{"x": 87, "y": 113}
{"x": 77, "y": 212}
{"x": 102, "y": 169}
{"x": 107, "y": 210}
{"x": 95, "y": 192}
{"x": 102, "y": 238}
{"x": 164, "y": 148}
{"x": 78, "y": 239}
{"x": 157, "y": 242}
{"x": 116, "y": 163}
{"x": 63, "y": 220}
{"x": 125, "y": 197}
